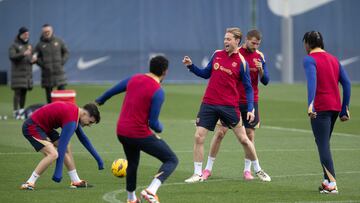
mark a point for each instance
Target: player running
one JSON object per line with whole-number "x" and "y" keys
{"x": 139, "y": 114}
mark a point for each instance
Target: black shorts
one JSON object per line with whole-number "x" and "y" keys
{"x": 244, "y": 110}
{"x": 33, "y": 133}
{"x": 209, "y": 115}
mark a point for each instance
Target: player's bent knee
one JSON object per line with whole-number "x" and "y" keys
{"x": 244, "y": 141}
{"x": 53, "y": 155}
{"x": 220, "y": 135}
{"x": 175, "y": 160}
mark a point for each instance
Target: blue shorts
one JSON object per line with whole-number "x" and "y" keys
{"x": 33, "y": 133}
{"x": 244, "y": 110}
{"x": 209, "y": 115}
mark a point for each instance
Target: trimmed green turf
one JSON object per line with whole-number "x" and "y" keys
{"x": 285, "y": 147}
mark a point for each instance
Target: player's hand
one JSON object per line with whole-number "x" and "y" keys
{"x": 344, "y": 115}
{"x": 101, "y": 166}
{"x": 312, "y": 115}
{"x": 187, "y": 61}
{"x": 311, "y": 111}
{"x": 250, "y": 116}
{"x": 98, "y": 103}
{"x": 259, "y": 66}
{"x": 344, "y": 118}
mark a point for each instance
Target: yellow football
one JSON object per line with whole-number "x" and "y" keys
{"x": 118, "y": 167}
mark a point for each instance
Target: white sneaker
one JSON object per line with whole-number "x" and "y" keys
{"x": 263, "y": 176}
{"x": 194, "y": 179}
{"x": 149, "y": 197}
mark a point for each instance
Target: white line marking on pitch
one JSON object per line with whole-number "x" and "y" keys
{"x": 305, "y": 131}
{"x": 111, "y": 196}
{"x": 190, "y": 151}
{"x": 265, "y": 150}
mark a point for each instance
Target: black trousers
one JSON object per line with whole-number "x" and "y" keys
{"x": 48, "y": 91}
{"x": 19, "y": 98}
{"x": 153, "y": 146}
{"x": 322, "y": 127}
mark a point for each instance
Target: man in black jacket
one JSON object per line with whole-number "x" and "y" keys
{"x": 21, "y": 57}
{"x": 52, "y": 54}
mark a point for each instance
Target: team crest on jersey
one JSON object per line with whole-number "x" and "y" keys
{"x": 56, "y": 43}
{"x": 234, "y": 64}
{"x": 44, "y": 45}
{"x": 20, "y": 47}
{"x": 216, "y": 66}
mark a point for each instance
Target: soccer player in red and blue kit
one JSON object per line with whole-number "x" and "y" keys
{"x": 256, "y": 60}
{"x": 226, "y": 69}
{"x": 139, "y": 114}
{"x": 40, "y": 131}
{"x": 323, "y": 74}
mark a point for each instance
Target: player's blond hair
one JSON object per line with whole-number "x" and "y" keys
{"x": 235, "y": 31}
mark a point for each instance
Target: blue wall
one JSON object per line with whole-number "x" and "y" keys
{"x": 127, "y": 33}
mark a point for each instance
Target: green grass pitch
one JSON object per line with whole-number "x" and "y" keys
{"x": 285, "y": 147}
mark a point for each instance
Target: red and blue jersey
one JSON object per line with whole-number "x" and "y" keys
{"x": 225, "y": 72}
{"x": 141, "y": 106}
{"x": 323, "y": 73}
{"x": 56, "y": 115}
{"x": 63, "y": 115}
{"x": 250, "y": 58}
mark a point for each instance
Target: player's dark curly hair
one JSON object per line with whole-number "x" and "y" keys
{"x": 93, "y": 111}
{"x": 313, "y": 39}
{"x": 158, "y": 65}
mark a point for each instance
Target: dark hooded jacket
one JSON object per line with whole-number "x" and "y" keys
{"x": 52, "y": 55}
{"x": 21, "y": 66}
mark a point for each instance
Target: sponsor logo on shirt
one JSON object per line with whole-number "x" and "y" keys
{"x": 228, "y": 71}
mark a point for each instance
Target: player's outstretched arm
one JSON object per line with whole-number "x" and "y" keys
{"x": 346, "y": 86}
{"x": 87, "y": 144}
{"x": 117, "y": 89}
{"x": 156, "y": 103}
{"x": 201, "y": 72}
{"x": 65, "y": 135}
